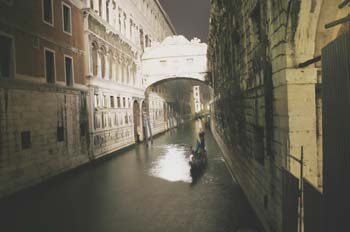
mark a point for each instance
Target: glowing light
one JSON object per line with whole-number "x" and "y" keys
{"x": 173, "y": 166}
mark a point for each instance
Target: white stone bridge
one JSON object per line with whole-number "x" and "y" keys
{"x": 174, "y": 58}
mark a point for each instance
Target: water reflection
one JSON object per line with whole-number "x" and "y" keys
{"x": 173, "y": 166}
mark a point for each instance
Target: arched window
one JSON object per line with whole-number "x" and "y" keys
{"x": 127, "y": 73}
{"x": 111, "y": 63}
{"x": 142, "y": 42}
{"x": 103, "y": 62}
{"x": 134, "y": 70}
{"x": 118, "y": 68}
{"x": 107, "y": 10}
{"x": 94, "y": 53}
{"x": 100, "y": 7}
{"x": 147, "y": 41}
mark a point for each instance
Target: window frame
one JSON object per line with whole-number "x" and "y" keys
{"x": 65, "y": 71}
{"x": 70, "y": 19}
{"x": 26, "y": 144}
{"x": 54, "y": 64}
{"x": 52, "y": 24}
{"x": 13, "y": 55}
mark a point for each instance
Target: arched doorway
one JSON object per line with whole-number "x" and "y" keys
{"x": 137, "y": 123}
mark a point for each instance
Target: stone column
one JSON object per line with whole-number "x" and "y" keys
{"x": 301, "y": 103}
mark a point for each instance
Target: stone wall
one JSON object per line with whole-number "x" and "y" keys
{"x": 267, "y": 93}
{"x": 43, "y": 133}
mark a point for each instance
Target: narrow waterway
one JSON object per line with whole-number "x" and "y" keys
{"x": 146, "y": 189}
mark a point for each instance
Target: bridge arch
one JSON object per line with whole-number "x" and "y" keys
{"x": 167, "y": 79}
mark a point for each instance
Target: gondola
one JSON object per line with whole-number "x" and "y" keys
{"x": 198, "y": 161}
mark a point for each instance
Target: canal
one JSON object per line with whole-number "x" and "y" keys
{"x": 146, "y": 189}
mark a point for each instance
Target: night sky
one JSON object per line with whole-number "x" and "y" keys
{"x": 190, "y": 17}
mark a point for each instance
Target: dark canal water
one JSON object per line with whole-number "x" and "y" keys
{"x": 139, "y": 189}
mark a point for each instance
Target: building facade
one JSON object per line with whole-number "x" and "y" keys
{"x": 116, "y": 35}
{"x": 76, "y": 66}
{"x": 267, "y": 81}
{"x": 43, "y": 107}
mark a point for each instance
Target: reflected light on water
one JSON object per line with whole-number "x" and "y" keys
{"x": 173, "y": 165}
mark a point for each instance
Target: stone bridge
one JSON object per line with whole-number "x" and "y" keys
{"x": 176, "y": 57}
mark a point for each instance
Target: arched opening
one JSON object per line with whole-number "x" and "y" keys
{"x": 134, "y": 71}
{"x": 107, "y": 10}
{"x": 137, "y": 123}
{"x": 92, "y": 4}
{"x": 110, "y": 65}
{"x": 178, "y": 100}
{"x": 145, "y": 117}
{"x": 100, "y": 7}
{"x": 103, "y": 62}
{"x": 127, "y": 73}
{"x": 142, "y": 42}
{"x": 329, "y": 12}
{"x": 94, "y": 54}
{"x": 118, "y": 68}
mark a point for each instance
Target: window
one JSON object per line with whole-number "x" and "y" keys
{"x": 60, "y": 134}
{"x": 68, "y": 68}
{"x": 120, "y": 20}
{"x": 124, "y": 24}
{"x": 147, "y": 41}
{"x": 94, "y": 54}
{"x": 142, "y": 42}
{"x": 48, "y": 12}
{"x": 97, "y": 100}
{"x": 5, "y": 56}
{"x": 131, "y": 24}
{"x": 112, "y": 101}
{"x": 49, "y": 65}
{"x": 107, "y": 10}
{"x": 100, "y": 7}
{"x": 83, "y": 128}
{"x": 26, "y": 140}
{"x": 67, "y": 21}
{"x": 118, "y": 102}
{"x": 124, "y": 104}
{"x": 104, "y": 101}
{"x": 103, "y": 62}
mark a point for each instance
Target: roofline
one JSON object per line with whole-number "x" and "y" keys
{"x": 166, "y": 16}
